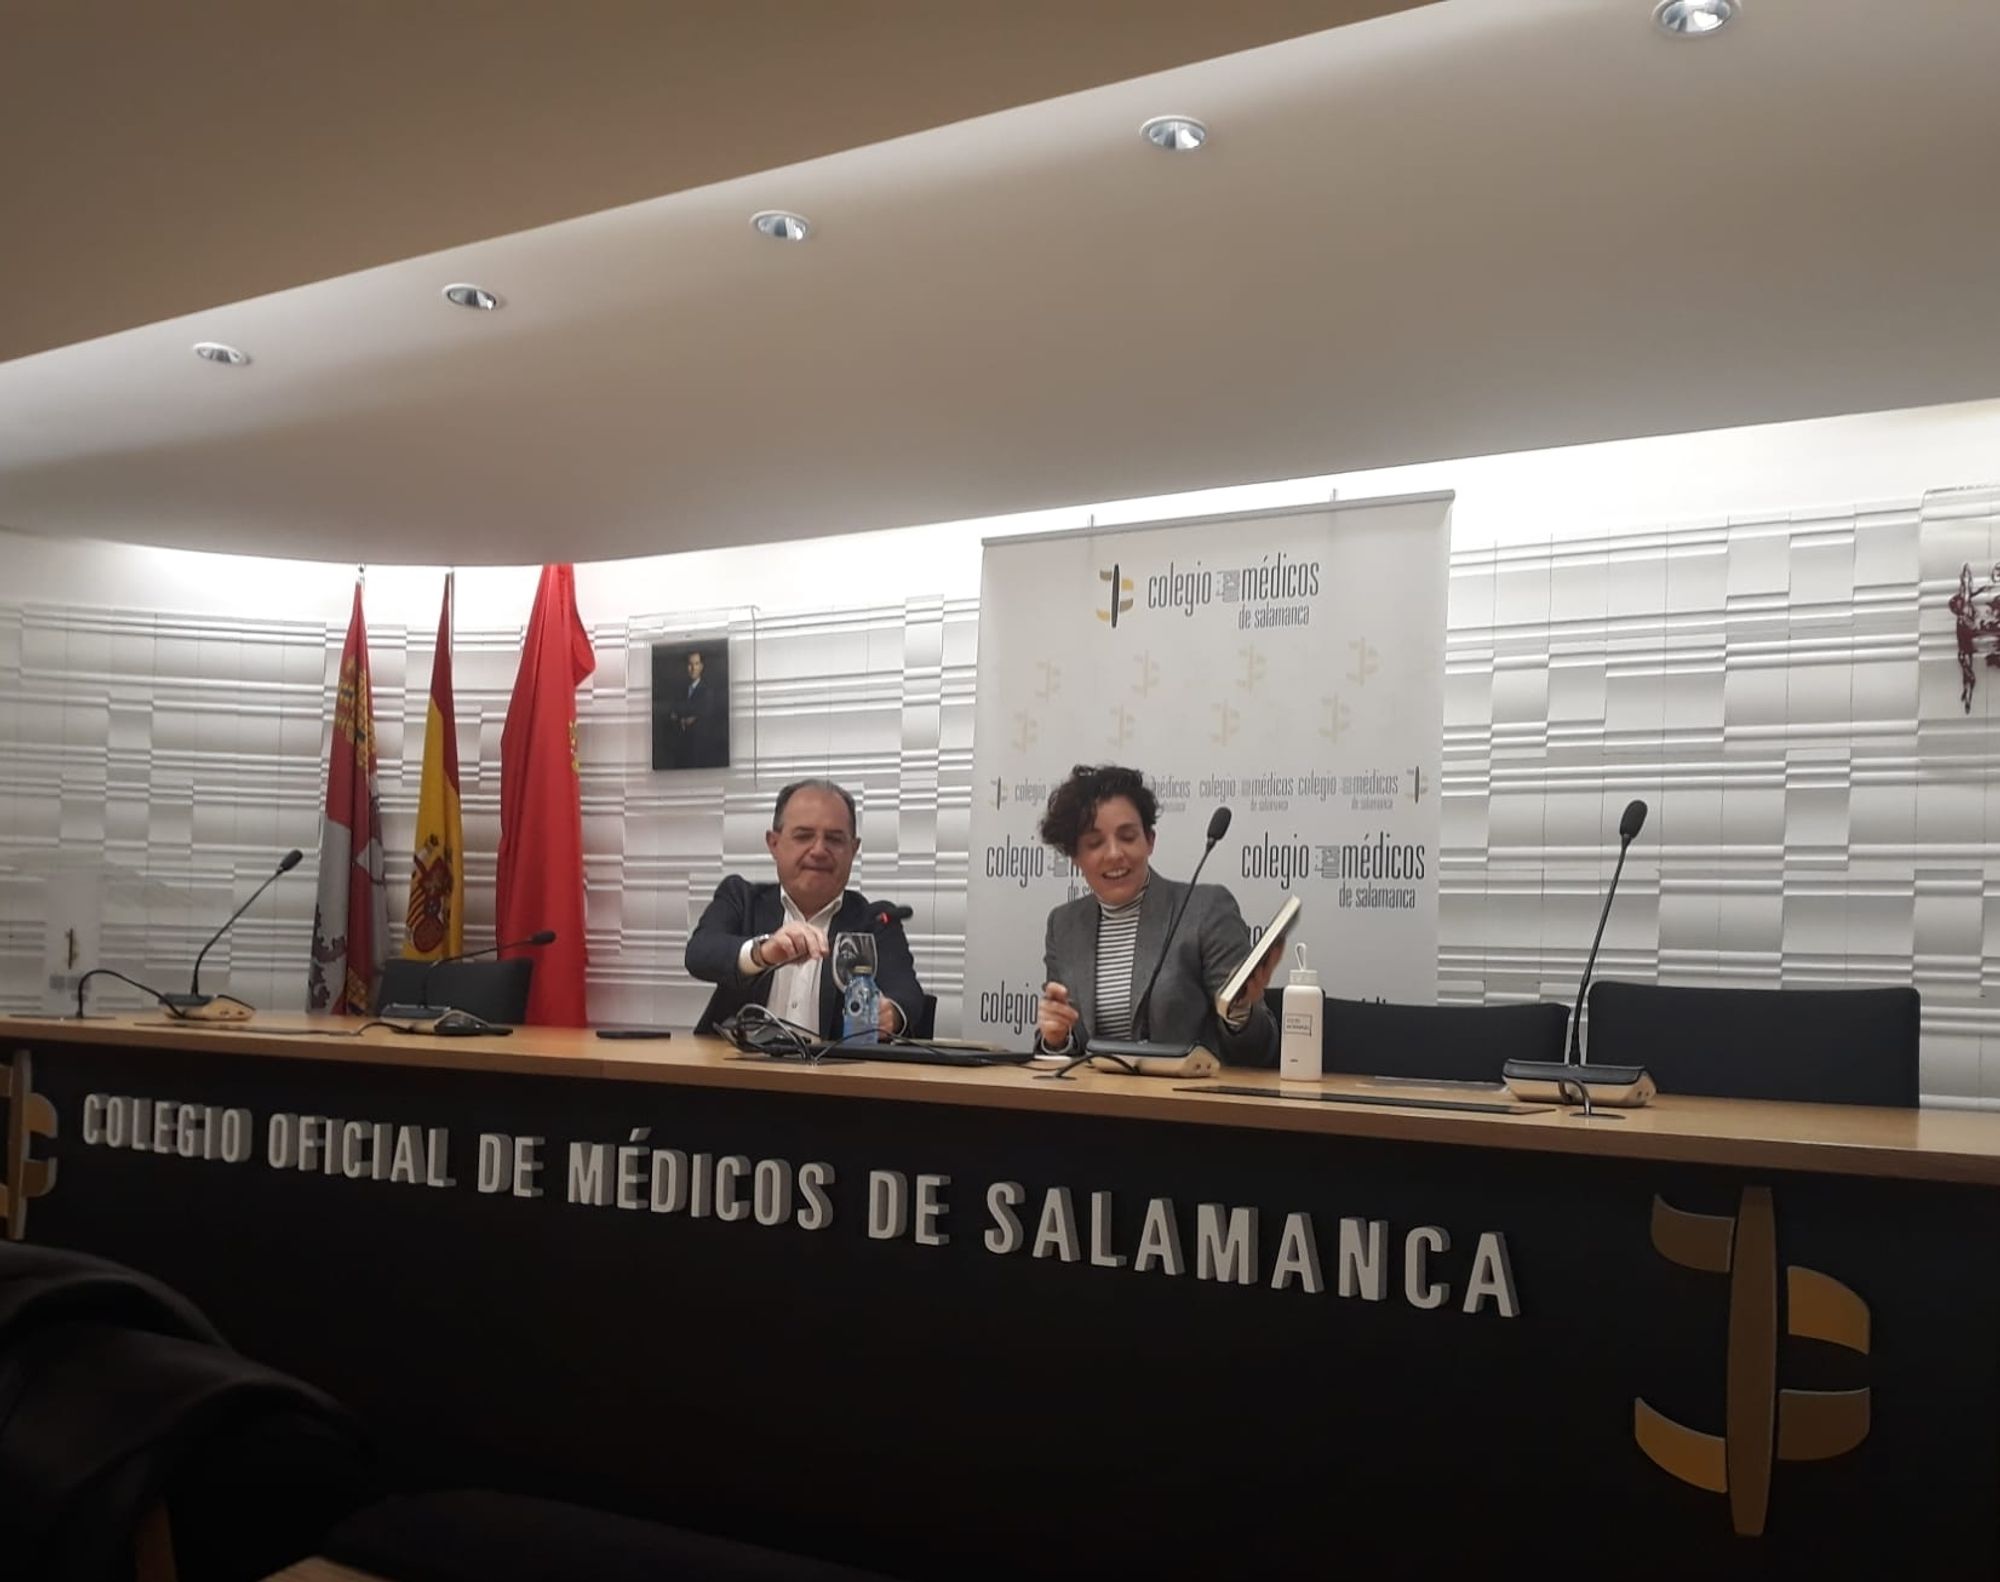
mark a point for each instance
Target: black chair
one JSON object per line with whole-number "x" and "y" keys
{"x": 134, "y": 1443}
{"x": 496, "y": 991}
{"x": 1826, "y": 1046}
{"x": 924, "y": 1024}
{"x": 1450, "y": 1043}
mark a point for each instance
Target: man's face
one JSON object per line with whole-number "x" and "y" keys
{"x": 694, "y": 667}
{"x": 814, "y": 848}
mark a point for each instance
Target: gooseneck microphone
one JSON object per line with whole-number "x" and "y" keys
{"x": 1571, "y": 1079}
{"x": 423, "y": 1011}
{"x": 1628, "y": 826}
{"x": 1218, "y": 826}
{"x": 194, "y": 999}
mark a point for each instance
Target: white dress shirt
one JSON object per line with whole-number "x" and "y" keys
{"x": 795, "y": 987}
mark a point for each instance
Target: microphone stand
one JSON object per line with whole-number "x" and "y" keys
{"x": 194, "y": 999}
{"x": 1576, "y": 1056}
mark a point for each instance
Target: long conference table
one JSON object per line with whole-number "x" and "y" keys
{"x": 951, "y": 1322}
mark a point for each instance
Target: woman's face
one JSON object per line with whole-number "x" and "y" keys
{"x": 1115, "y": 855}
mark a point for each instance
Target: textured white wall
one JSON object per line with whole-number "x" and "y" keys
{"x": 1746, "y": 628}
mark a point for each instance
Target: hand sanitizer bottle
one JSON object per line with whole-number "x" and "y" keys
{"x": 1299, "y": 1046}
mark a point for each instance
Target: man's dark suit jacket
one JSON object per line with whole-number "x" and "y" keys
{"x": 742, "y": 910}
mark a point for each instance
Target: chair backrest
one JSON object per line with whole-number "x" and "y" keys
{"x": 494, "y": 990}
{"x": 1827, "y": 1046}
{"x": 1452, "y": 1043}
{"x": 924, "y": 1023}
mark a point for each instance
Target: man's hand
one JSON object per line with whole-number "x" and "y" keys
{"x": 1055, "y": 1017}
{"x": 793, "y": 942}
{"x": 889, "y": 1018}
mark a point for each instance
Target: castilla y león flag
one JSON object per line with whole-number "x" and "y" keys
{"x": 437, "y": 873}
{"x": 540, "y": 879}
{"x": 351, "y": 920}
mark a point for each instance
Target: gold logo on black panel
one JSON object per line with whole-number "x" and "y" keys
{"x": 29, "y": 1115}
{"x": 1762, "y": 1423}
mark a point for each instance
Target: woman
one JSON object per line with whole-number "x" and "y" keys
{"x": 1103, "y": 947}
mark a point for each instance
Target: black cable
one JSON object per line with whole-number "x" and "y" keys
{"x": 1084, "y": 1059}
{"x": 107, "y": 972}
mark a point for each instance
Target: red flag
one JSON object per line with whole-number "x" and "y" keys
{"x": 540, "y": 879}
{"x": 351, "y": 921}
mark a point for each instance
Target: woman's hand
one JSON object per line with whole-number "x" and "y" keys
{"x": 1253, "y": 991}
{"x": 1055, "y": 1017}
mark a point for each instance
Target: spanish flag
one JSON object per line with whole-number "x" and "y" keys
{"x": 437, "y": 878}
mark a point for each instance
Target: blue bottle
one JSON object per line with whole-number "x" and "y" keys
{"x": 861, "y": 1011}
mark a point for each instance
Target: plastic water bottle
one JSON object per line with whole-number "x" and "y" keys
{"x": 1299, "y": 1045}
{"x": 861, "y": 1009}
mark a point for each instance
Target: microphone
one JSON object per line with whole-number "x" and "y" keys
{"x": 1136, "y": 1055}
{"x": 1622, "y": 1086}
{"x": 194, "y": 999}
{"x": 887, "y": 912}
{"x": 1628, "y": 826}
{"x": 1218, "y": 826}
{"x": 423, "y": 1010}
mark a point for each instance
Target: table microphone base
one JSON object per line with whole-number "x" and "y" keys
{"x": 205, "y": 1008}
{"x": 1572, "y": 1082}
{"x": 1151, "y": 1060}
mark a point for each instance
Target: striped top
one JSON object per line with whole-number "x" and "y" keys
{"x": 1117, "y": 952}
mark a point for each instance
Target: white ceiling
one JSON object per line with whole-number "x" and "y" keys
{"x": 1482, "y": 226}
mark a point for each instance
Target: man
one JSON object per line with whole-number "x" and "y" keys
{"x": 695, "y": 715}
{"x": 768, "y": 944}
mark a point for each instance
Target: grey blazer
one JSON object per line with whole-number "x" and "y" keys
{"x": 1213, "y": 939}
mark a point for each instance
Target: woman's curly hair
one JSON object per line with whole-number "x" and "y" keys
{"x": 1073, "y": 805}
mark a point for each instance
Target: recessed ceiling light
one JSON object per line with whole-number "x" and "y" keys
{"x": 1695, "y": 18}
{"x": 781, "y": 225}
{"x": 216, "y": 352}
{"x": 468, "y": 296}
{"x": 1177, "y": 134}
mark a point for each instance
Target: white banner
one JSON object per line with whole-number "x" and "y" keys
{"x": 1289, "y": 664}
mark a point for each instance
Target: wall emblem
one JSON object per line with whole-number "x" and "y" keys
{"x": 1976, "y": 609}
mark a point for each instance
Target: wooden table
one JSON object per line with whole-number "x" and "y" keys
{"x": 964, "y": 1322}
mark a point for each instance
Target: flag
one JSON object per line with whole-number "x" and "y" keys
{"x": 436, "y": 916}
{"x": 540, "y": 880}
{"x": 351, "y": 920}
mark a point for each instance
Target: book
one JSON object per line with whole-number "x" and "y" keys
{"x": 1269, "y": 943}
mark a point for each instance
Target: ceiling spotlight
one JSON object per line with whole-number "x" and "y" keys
{"x": 216, "y": 352}
{"x": 781, "y": 225}
{"x": 1177, "y": 134}
{"x": 471, "y": 297}
{"x": 1695, "y": 18}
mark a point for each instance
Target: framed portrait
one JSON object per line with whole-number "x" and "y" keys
{"x": 691, "y": 705}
